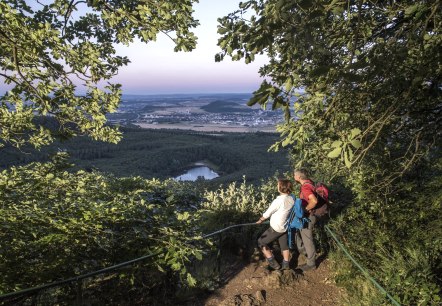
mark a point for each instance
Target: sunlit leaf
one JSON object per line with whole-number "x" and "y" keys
{"x": 335, "y": 153}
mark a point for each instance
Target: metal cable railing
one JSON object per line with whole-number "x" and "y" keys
{"x": 79, "y": 278}
{"x": 364, "y": 271}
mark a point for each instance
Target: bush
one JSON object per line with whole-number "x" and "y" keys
{"x": 397, "y": 238}
{"x": 57, "y": 224}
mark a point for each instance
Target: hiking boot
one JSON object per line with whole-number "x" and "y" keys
{"x": 306, "y": 267}
{"x": 285, "y": 265}
{"x": 274, "y": 264}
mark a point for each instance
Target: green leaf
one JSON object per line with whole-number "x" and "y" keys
{"x": 354, "y": 133}
{"x": 287, "y": 141}
{"x": 336, "y": 144}
{"x": 356, "y": 143}
{"x": 176, "y": 266}
{"x": 275, "y": 147}
{"x": 410, "y": 10}
{"x": 198, "y": 255}
{"x": 346, "y": 159}
{"x": 335, "y": 153}
{"x": 190, "y": 280}
{"x": 288, "y": 84}
{"x": 350, "y": 153}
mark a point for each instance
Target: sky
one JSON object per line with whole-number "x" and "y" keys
{"x": 155, "y": 68}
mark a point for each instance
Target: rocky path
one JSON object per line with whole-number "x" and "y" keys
{"x": 254, "y": 284}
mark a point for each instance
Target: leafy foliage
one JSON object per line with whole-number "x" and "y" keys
{"x": 356, "y": 76}
{"x": 360, "y": 84}
{"x": 241, "y": 198}
{"x": 57, "y": 224}
{"x": 46, "y": 49}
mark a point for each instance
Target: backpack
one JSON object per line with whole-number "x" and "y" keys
{"x": 321, "y": 192}
{"x": 296, "y": 220}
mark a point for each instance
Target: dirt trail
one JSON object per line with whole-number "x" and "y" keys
{"x": 311, "y": 288}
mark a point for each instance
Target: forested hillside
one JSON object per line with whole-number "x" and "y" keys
{"x": 166, "y": 153}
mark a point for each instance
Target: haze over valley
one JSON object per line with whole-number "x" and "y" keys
{"x": 166, "y": 136}
{"x": 198, "y": 112}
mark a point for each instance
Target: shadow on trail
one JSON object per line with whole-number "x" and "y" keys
{"x": 235, "y": 250}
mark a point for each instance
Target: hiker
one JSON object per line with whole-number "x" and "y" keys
{"x": 278, "y": 213}
{"x": 304, "y": 237}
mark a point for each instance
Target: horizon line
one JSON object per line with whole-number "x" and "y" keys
{"x": 188, "y": 93}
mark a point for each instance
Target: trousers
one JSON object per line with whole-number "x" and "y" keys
{"x": 271, "y": 235}
{"x": 305, "y": 242}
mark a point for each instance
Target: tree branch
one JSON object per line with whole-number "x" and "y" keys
{"x": 9, "y": 78}
{"x": 17, "y": 65}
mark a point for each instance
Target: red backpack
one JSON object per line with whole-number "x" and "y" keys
{"x": 321, "y": 192}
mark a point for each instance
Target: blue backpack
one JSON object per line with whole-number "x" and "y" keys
{"x": 296, "y": 220}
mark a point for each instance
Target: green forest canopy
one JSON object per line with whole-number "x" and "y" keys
{"x": 370, "y": 73}
{"x": 45, "y": 48}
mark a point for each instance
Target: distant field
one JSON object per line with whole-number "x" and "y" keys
{"x": 204, "y": 113}
{"x": 208, "y": 127}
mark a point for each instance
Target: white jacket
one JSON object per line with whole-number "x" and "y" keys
{"x": 279, "y": 212}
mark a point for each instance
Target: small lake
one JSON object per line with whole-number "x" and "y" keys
{"x": 194, "y": 173}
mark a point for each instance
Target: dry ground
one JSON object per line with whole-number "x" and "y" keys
{"x": 313, "y": 288}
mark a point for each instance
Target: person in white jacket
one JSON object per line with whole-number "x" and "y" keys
{"x": 278, "y": 212}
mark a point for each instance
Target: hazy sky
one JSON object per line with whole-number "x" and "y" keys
{"x": 156, "y": 68}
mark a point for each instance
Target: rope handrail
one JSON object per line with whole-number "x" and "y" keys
{"x": 365, "y": 272}
{"x": 108, "y": 269}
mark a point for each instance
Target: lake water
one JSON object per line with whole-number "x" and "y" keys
{"x": 194, "y": 173}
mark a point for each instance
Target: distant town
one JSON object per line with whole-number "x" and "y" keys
{"x": 211, "y": 113}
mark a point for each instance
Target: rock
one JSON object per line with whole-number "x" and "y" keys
{"x": 289, "y": 277}
{"x": 256, "y": 255}
{"x": 278, "y": 279}
{"x": 273, "y": 280}
{"x": 256, "y": 258}
{"x": 256, "y": 299}
{"x": 259, "y": 296}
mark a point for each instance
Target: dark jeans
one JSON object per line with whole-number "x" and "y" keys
{"x": 271, "y": 235}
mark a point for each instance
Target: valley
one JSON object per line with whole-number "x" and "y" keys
{"x": 204, "y": 113}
